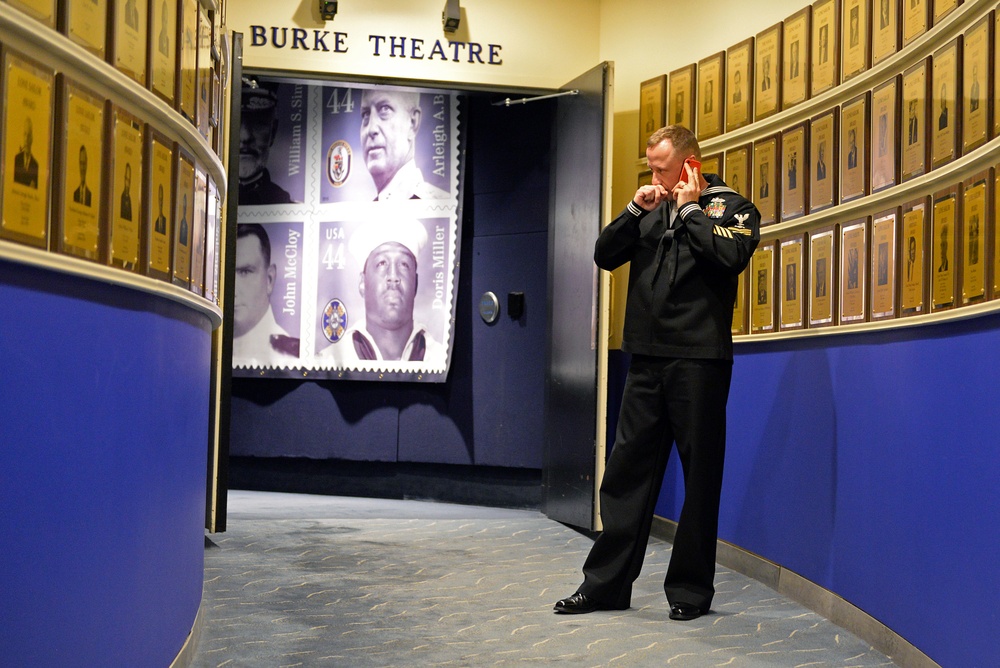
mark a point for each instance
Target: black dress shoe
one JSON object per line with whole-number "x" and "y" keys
{"x": 577, "y": 604}
{"x": 684, "y": 612}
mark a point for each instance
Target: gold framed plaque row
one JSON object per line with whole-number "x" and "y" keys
{"x": 84, "y": 177}
{"x": 933, "y": 253}
{"x": 812, "y": 51}
{"x": 164, "y": 45}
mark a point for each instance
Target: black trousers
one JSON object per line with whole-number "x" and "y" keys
{"x": 666, "y": 401}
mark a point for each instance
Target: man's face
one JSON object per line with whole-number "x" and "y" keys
{"x": 254, "y": 282}
{"x": 913, "y": 249}
{"x": 388, "y": 130}
{"x": 389, "y": 286}
{"x": 27, "y": 136}
{"x": 128, "y": 177}
{"x": 256, "y": 136}
{"x": 665, "y": 163}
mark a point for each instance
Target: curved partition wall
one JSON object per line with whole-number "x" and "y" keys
{"x": 862, "y": 447}
{"x": 104, "y": 388}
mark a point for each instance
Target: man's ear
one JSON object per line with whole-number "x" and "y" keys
{"x": 272, "y": 272}
{"x": 361, "y": 284}
{"x": 415, "y": 115}
{"x": 274, "y": 132}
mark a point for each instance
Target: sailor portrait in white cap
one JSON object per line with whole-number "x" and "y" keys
{"x": 387, "y": 253}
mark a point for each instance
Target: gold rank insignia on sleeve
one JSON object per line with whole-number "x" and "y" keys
{"x": 722, "y": 231}
{"x": 716, "y": 208}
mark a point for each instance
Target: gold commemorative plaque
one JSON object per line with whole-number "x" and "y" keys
{"x": 976, "y": 82}
{"x": 943, "y": 235}
{"x": 854, "y": 148}
{"x": 853, "y": 265}
{"x": 916, "y": 98}
{"x": 825, "y": 38}
{"x": 739, "y": 84}
{"x": 767, "y": 65}
{"x": 946, "y": 107}
{"x": 885, "y": 146}
{"x": 883, "y": 265}
{"x": 885, "y": 30}
{"x": 127, "y": 219}
{"x": 711, "y": 98}
{"x": 765, "y": 186}
{"x": 855, "y": 42}
{"x": 681, "y": 97}
{"x": 652, "y": 95}
{"x": 42, "y": 10}
{"x": 761, "y": 297}
{"x": 795, "y": 57}
{"x": 163, "y": 49}
{"x": 82, "y": 173}
{"x": 188, "y": 48}
{"x": 739, "y": 325}
{"x": 198, "y": 228}
{"x": 823, "y": 147}
{"x": 975, "y": 212}
{"x": 128, "y": 42}
{"x": 912, "y": 266}
{"x": 794, "y": 171}
{"x": 738, "y": 170}
{"x": 28, "y": 95}
{"x": 916, "y": 19}
{"x": 792, "y": 283}
{"x": 822, "y": 291}
{"x": 183, "y": 218}
{"x": 160, "y": 195}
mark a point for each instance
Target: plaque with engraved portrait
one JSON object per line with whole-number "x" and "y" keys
{"x": 86, "y": 24}
{"x": 794, "y": 171}
{"x": 916, "y": 19}
{"x": 885, "y": 30}
{"x": 82, "y": 171}
{"x": 825, "y": 59}
{"x": 945, "y": 106}
{"x": 913, "y": 142}
{"x": 738, "y": 170}
{"x": 792, "y": 283}
{"x": 912, "y": 266}
{"x": 854, "y": 148}
{"x": 680, "y": 97}
{"x": 822, "y": 276}
{"x": 159, "y": 200}
{"x": 739, "y": 84}
{"x": 711, "y": 97}
{"x": 883, "y": 265}
{"x": 42, "y": 10}
{"x": 855, "y": 44}
{"x": 823, "y": 149}
{"x": 198, "y": 229}
{"x": 976, "y": 82}
{"x": 183, "y": 219}
{"x": 761, "y": 288}
{"x": 885, "y": 137}
{"x": 975, "y": 215}
{"x": 213, "y": 242}
{"x": 28, "y": 94}
{"x": 162, "y": 42}
{"x": 767, "y": 65}
{"x": 994, "y": 233}
{"x": 652, "y": 112}
{"x": 944, "y": 226}
{"x": 206, "y": 68}
{"x": 188, "y": 51}
{"x": 795, "y": 58}
{"x": 739, "y": 325}
{"x": 128, "y": 38}
{"x": 853, "y": 275}
{"x": 765, "y": 185}
{"x": 942, "y": 8}
{"x": 126, "y": 190}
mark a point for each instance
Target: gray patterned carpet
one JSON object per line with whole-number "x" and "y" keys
{"x": 325, "y": 581}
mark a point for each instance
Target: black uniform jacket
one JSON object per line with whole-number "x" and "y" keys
{"x": 682, "y": 281}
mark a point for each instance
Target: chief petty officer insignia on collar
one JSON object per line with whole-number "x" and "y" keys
{"x": 716, "y": 208}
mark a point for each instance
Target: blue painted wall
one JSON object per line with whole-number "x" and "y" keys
{"x": 104, "y": 397}
{"x": 869, "y": 464}
{"x": 490, "y": 411}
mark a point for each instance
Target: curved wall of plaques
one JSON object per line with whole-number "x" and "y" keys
{"x": 107, "y": 328}
{"x": 861, "y": 452}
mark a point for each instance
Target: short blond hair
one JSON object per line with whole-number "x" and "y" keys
{"x": 681, "y": 138}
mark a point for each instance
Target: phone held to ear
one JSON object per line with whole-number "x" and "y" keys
{"x": 695, "y": 164}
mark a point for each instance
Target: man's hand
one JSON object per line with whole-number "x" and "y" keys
{"x": 689, "y": 190}
{"x": 649, "y": 197}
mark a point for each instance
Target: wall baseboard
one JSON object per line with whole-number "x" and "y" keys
{"x": 811, "y": 595}
{"x": 185, "y": 657}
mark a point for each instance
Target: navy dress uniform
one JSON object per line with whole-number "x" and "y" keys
{"x": 685, "y": 265}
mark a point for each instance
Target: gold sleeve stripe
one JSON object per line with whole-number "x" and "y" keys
{"x": 723, "y": 232}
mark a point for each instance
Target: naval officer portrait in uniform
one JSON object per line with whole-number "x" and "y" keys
{"x": 390, "y": 121}
{"x": 258, "y": 129}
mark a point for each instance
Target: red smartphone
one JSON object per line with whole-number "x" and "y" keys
{"x": 695, "y": 164}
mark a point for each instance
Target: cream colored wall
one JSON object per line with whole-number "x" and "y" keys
{"x": 544, "y": 43}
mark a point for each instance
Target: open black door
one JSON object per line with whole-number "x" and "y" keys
{"x": 573, "y": 459}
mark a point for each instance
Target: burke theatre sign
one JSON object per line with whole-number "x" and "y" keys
{"x": 379, "y": 46}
